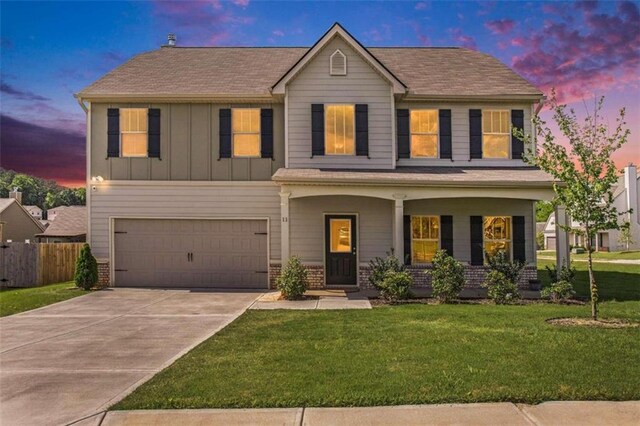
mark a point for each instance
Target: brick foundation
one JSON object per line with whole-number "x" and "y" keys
{"x": 103, "y": 273}
{"x": 315, "y": 275}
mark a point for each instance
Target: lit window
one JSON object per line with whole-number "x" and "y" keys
{"x": 497, "y": 234}
{"x": 340, "y": 235}
{"x": 424, "y": 133}
{"x": 339, "y": 129}
{"x": 133, "y": 132}
{"x": 425, "y": 235}
{"x": 496, "y": 136}
{"x": 246, "y": 132}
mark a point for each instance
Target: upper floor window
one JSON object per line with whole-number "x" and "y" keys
{"x": 496, "y": 134}
{"x": 424, "y": 133}
{"x": 425, "y": 236}
{"x": 338, "y": 63}
{"x": 246, "y": 132}
{"x": 497, "y": 234}
{"x": 134, "y": 132}
{"x": 339, "y": 129}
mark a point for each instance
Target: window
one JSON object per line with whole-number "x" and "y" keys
{"x": 425, "y": 236}
{"x": 338, "y": 63}
{"x": 424, "y": 133}
{"x": 496, "y": 134}
{"x": 246, "y": 132}
{"x": 497, "y": 234}
{"x": 133, "y": 132}
{"x": 340, "y": 235}
{"x": 339, "y": 129}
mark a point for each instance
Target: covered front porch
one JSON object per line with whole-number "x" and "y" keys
{"x": 338, "y": 227}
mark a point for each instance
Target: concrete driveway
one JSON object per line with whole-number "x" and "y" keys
{"x": 64, "y": 362}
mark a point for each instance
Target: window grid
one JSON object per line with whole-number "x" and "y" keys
{"x": 497, "y": 234}
{"x": 340, "y": 129}
{"x": 425, "y": 238}
{"x": 424, "y": 133}
{"x": 496, "y": 132}
{"x": 133, "y": 132}
{"x": 246, "y": 132}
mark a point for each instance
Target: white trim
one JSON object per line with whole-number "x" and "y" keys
{"x": 88, "y": 186}
{"x": 337, "y": 30}
{"x": 394, "y": 137}
{"x": 215, "y": 183}
{"x": 286, "y": 129}
{"x": 413, "y": 262}
{"x": 437, "y": 156}
{"x": 510, "y": 155}
{"x": 344, "y": 57}
{"x": 324, "y": 247}
{"x": 233, "y": 139}
{"x": 325, "y": 130}
{"x": 509, "y": 240}
{"x": 112, "y": 221}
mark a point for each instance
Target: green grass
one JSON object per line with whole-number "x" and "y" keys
{"x": 599, "y": 255}
{"x": 13, "y": 301}
{"x": 410, "y": 354}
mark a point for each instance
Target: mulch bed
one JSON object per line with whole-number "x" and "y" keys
{"x": 588, "y": 322}
{"x": 376, "y": 301}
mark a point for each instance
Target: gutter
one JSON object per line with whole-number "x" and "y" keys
{"x": 81, "y": 103}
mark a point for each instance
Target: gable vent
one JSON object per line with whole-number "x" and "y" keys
{"x": 338, "y": 63}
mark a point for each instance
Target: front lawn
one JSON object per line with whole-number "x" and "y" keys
{"x": 409, "y": 354}
{"x": 15, "y": 300}
{"x": 599, "y": 255}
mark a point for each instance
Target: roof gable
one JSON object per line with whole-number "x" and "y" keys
{"x": 337, "y": 31}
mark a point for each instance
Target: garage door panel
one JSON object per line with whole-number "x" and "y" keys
{"x": 226, "y": 253}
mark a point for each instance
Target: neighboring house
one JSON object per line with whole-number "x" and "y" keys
{"x": 69, "y": 226}
{"x": 625, "y": 198}
{"x": 16, "y": 223}
{"x": 34, "y": 211}
{"x": 210, "y": 167}
{"x": 52, "y": 213}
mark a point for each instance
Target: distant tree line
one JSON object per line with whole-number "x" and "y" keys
{"x": 43, "y": 193}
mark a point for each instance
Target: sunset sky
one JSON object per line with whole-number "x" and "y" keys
{"x": 51, "y": 50}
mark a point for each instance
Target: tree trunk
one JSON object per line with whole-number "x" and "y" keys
{"x": 592, "y": 282}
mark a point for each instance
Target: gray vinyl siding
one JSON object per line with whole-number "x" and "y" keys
{"x": 189, "y": 146}
{"x": 361, "y": 85}
{"x": 460, "y": 133}
{"x": 462, "y": 208}
{"x": 306, "y": 221}
{"x": 233, "y": 201}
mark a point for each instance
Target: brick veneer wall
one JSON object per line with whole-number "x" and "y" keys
{"x": 103, "y": 273}
{"x": 315, "y": 274}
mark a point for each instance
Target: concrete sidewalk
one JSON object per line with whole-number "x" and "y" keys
{"x": 583, "y": 413}
{"x": 617, "y": 261}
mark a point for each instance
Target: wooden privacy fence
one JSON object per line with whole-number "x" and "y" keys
{"x": 36, "y": 264}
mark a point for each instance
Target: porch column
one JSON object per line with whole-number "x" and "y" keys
{"x": 562, "y": 237}
{"x": 284, "y": 227}
{"x": 398, "y": 224}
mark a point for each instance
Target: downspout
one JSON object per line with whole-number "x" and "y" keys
{"x": 81, "y": 103}
{"x": 535, "y": 129}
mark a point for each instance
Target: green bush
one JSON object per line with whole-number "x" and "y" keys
{"x": 447, "y": 277}
{"x": 381, "y": 265}
{"x": 396, "y": 286}
{"x": 558, "y": 291}
{"x": 501, "y": 262}
{"x": 501, "y": 290}
{"x": 86, "y": 275}
{"x": 566, "y": 273}
{"x": 293, "y": 280}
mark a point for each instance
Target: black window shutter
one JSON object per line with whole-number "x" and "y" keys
{"x": 317, "y": 129}
{"x": 519, "y": 240}
{"x": 153, "y": 147}
{"x": 266, "y": 133}
{"x": 402, "y": 131}
{"x": 517, "y": 144}
{"x": 113, "y": 132}
{"x": 445, "y": 133}
{"x": 362, "y": 129}
{"x": 477, "y": 248}
{"x": 225, "y": 133}
{"x": 406, "y": 231}
{"x": 475, "y": 133}
{"x": 446, "y": 234}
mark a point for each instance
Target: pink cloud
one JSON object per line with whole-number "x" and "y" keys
{"x": 462, "y": 39}
{"x": 380, "y": 34}
{"x": 278, "y": 33}
{"x": 242, "y": 3}
{"x": 500, "y": 26}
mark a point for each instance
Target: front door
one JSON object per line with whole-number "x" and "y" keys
{"x": 341, "y": 265}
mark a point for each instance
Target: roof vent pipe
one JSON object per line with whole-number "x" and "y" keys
{"x": 171, "y": 39}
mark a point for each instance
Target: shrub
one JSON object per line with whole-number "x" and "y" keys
{"x": 566, "y": 273}
{"x": 86, "y": 275}
{"x": 558, "y": 291}
{"x": 501, "y": 262}
{"x": 500, "y": 289}
{"x": 447, "y": 277}
{"x": 381, "y": 265}
{"x": 395, "y": 286}
{"x": 293, "y": 280}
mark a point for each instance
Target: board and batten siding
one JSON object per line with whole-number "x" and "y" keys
{"x": 460, "y": 133}
{"x": 189, "y": 146}
{"x": 306, "y": 221}
{"x": 462, "y": 208}
{"x": 175, "y": 200}
{"x": 361, "y": 85}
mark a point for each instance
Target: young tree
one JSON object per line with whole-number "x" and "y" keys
{"x": 625, "y": 236}
{"x": 585, "y": 170}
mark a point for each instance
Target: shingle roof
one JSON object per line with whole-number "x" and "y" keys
{"x": 238, "y": 71}
{"x": 5, "y": 202}
{"x": 471, "y": 176}
{"x": 69, "y": 222}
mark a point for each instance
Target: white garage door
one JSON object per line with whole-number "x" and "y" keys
{"x": 190, "y": 253}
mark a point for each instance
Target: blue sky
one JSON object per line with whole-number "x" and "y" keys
{"x": 50, "y": 50}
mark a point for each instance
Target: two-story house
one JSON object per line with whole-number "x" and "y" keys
{"x": 210, "y": 167}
